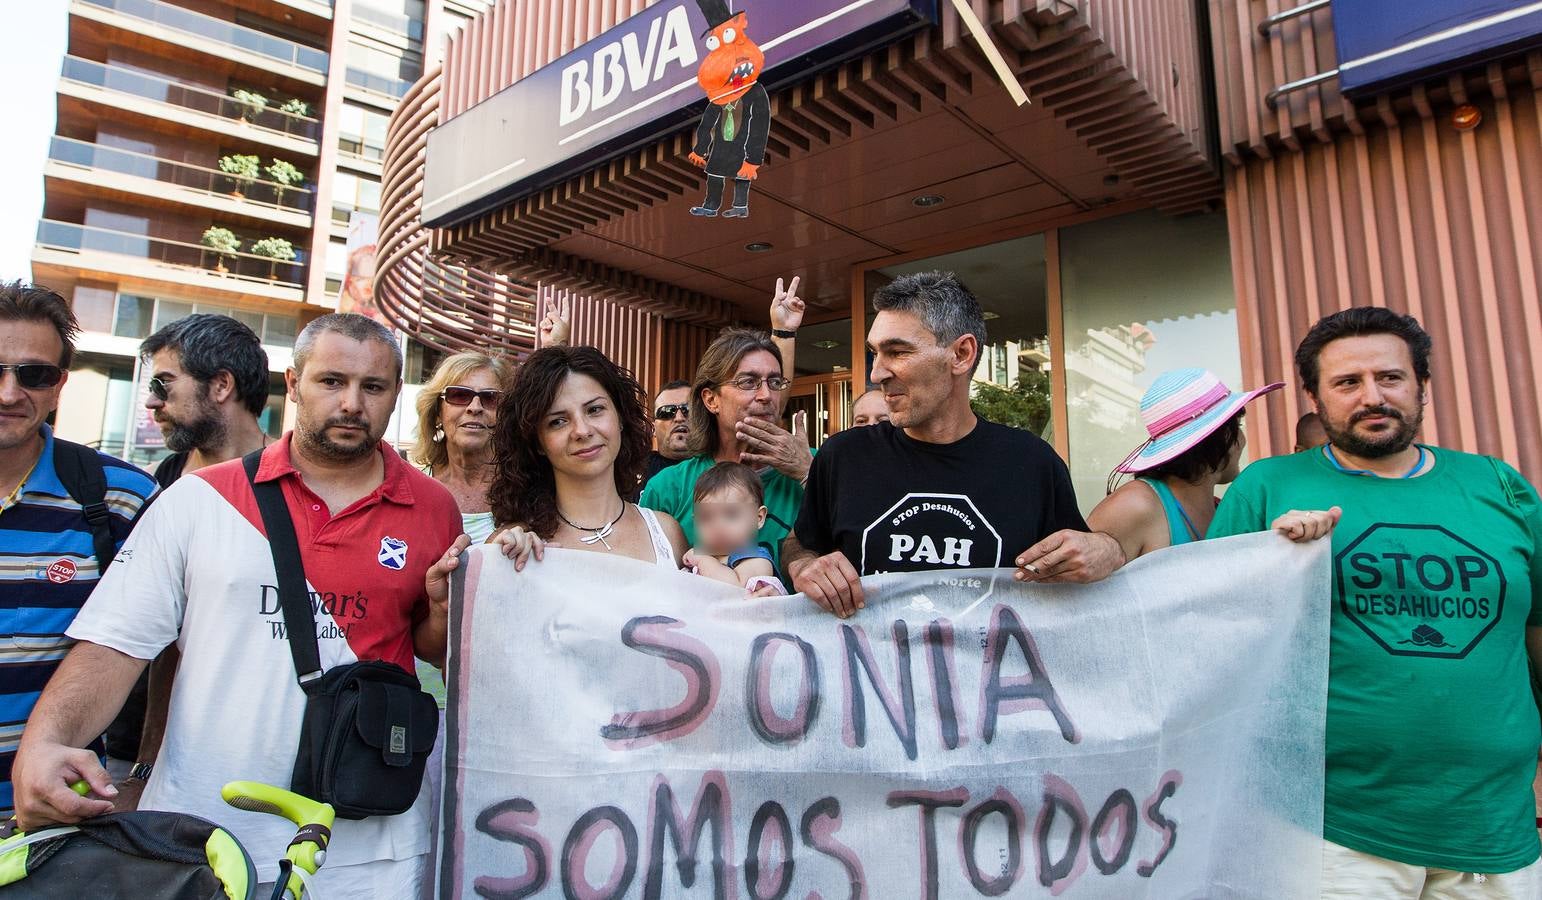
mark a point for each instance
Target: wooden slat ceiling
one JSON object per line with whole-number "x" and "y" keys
{"x": 850, "y": 148}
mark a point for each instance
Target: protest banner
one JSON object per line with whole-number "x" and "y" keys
{"x": 617, "y": 730}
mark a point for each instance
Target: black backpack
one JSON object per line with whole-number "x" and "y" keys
{"x": 80, "y": 470}
{"x": 145, "y": 855}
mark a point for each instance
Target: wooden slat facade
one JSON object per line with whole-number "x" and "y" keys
{"x": 1334, "y": 204}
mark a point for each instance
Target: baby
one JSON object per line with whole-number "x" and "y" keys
{"x": 729, "y": 511}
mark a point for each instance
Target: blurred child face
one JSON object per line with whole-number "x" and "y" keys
{"x": 727, "y": 520}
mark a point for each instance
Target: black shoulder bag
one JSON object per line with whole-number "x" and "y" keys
{"x": 369, "y": 727}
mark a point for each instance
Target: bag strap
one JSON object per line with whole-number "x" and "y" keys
{"x": 80, "y": 470}
{"x": 293, "y": 596}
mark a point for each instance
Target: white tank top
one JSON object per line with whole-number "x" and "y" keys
{"x": 663, "y": 553}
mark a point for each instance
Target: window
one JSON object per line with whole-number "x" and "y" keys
{"x": 1169, "y": 303}
{"x": 139, "y": 317}
{"x": 362, "y": 132}
{"x": 382, "y": 71}
{"x": 133, "y": 317}
{"x": 351, "y": 192}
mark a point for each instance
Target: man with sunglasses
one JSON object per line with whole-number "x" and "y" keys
{"x": 671, "y": 428}
{"x": 209, "y": 382}
{"x": 47, "y": 541}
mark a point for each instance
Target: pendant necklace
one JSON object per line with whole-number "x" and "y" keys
{"x": 596, "y": 535}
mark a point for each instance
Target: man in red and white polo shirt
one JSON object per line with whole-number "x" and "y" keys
{"x": 198, "y": 571}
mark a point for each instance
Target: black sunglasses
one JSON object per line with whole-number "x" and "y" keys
{"x": 35, "y": 376}
{"x": 462, "y": 396}
{"x": 672, "y": 410}
{"x": 159, "y": 389}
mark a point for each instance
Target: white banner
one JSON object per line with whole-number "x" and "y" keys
{"x": 620, "y": 731}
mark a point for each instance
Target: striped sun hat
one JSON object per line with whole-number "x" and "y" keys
{"x": 1182, "y": 408}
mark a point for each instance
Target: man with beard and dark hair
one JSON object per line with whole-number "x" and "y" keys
{"x": 372, "y": 533}
{"x": 208, "y": 384}
{"x": 1432, "y": 732}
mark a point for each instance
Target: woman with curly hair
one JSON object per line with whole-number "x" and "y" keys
{"x": 572, "y": 438}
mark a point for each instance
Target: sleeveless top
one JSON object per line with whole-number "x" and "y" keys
{"x": 1178, "y": 528}
{"x": 663, "y": 553}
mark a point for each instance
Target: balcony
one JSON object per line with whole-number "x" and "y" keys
{"x": 393, "y": 88}
{"x": 396, "y": 23}
{"x": 164, "y": 180}
{"x": 178, "y": 25}
{"x": 143, "y": 262}
{"x": 198, "y": 107}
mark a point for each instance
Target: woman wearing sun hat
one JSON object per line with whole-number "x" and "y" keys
{"x": 1196, "y": 441}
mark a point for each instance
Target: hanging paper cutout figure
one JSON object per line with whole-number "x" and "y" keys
{"x": 731, "y": 139}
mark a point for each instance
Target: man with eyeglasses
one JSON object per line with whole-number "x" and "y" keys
{"x": 208, "y": 385}
{"x": 47, "y": 541}
{"x": 671, "y": 428}
{"x": 736, "y": 403}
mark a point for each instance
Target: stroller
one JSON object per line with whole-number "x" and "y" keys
{"x": 152, "y": 855}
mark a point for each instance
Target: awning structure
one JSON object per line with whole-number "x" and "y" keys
{"x": 857, "y": 155}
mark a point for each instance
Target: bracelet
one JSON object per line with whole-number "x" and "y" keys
{"x": 783, "y": 333}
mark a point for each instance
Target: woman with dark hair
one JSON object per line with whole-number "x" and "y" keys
{"x": 1196, "y": 442}
{"x": 572, "y": 438}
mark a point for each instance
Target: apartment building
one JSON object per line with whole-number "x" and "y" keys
{"x": 211, "y": 156}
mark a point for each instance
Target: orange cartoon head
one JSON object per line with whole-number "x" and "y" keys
{"x": 733, "y": 61}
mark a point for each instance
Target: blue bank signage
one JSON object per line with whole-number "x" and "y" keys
{"x": 1383, "y": 44}
{"x": 632, "y": 85}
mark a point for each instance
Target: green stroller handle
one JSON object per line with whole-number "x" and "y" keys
{"x": 308, "y": 849}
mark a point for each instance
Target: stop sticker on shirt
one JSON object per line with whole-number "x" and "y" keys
{"x": 1420, "y": 590}
{"x": 61, "y": 572}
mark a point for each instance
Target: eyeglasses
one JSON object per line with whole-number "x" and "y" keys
{"x": 462, "y": 396}
{"x": 752, "y": 383}
{"x": 35, "y": 376}
{"x": 672, "y": 410}
{"x": 159, "y": 388}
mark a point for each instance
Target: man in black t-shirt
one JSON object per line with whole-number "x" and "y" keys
{"x": 935, "y": 487}
{"x": 671, "y": 428}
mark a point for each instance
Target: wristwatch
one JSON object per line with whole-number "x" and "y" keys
{"x": 784, "y": 333}
{"x": 141, "y": 771}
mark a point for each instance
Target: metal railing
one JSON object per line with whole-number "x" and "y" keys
{"x": 165, "y": 90}
{"x": 69, "y": 236}
{"x": 250, "y": 39}
{"x": 1267, "y": 26}
{"x": 377, "y": 84}
{"x": 208, "y": 181}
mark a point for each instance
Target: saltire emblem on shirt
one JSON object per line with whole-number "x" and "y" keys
{"x": 393, "y": 553}
{"x": 61, "y": 572}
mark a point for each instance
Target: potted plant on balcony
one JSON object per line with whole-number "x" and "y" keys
{"x": 252, "y": 104}
{"x": 284, "y": 175}
{"x": 296, "y": 107}
{"x": 277, "y": 250}
{"x": 223, "y": 242}
{"x": 242, "y": 169}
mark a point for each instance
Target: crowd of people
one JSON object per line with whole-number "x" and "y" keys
{"x": 148, "y": 611}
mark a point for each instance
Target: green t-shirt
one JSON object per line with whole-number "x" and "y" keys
{"x": 670, "y": 492}
{"x": 1432, "y": 731}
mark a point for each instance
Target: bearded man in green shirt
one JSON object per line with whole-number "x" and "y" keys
{"x": 1432, "y": 730}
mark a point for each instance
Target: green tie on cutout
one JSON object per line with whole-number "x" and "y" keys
{"x": 728, "y": 121}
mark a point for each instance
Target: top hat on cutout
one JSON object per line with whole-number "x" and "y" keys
{"x": 716, "y": 11}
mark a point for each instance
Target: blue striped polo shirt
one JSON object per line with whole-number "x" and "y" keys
{"x": 47, "y": 569}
